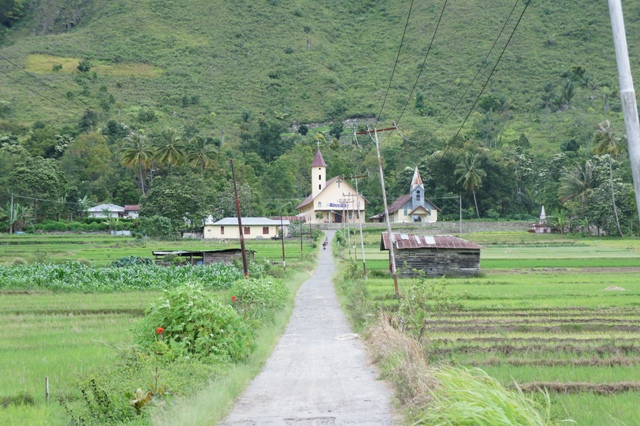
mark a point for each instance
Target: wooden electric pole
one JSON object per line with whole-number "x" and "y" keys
{"x": 392, "y": 255}
{"x": 627, "y": 94}
{"x": 242, "y": 249}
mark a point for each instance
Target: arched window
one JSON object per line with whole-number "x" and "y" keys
{"x": 417, "y": 195}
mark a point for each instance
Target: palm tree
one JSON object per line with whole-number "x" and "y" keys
{"x": 200, "y": 153}
{"x": 136, "y": 152}
{"x": 577, "y": 184}
{"x": 608, "y": 143}
{"x": 170, "y": 148}
{"x": 471, "y": 175}
{"x": 19, "y": 218}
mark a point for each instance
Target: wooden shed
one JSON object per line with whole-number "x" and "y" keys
{"x": 437, "y": 255}
{"x": 203, "y": 257}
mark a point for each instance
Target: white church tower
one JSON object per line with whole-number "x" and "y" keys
{"x": 318, "y": 174}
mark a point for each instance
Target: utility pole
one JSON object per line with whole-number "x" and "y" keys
{"x": 460, "y": 205}
{"x": 242, "y": 249}
{"x": 345, "y": 213}
{"x": 284, "y": 263}
{"x": 627, "y": 94}
{"x": 392, "y": 255}
{"x": 11, "y": 216}
{"x": 364, "y": 263}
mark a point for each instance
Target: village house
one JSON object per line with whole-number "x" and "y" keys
{"x": 332, "y": 201}
{"x": 413, "y": 207}
{"x": 132, "y": 211}
{"x": 252, "y": 228}
{"x": 436, "y": 256}
{"x": 106, "y": 211}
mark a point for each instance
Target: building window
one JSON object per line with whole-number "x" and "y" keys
{"x": 405, "y": 212}
{"x": 417, "y": 195}
{"x": 319, "y": 186}
{"x": 222, "y": 230}
{"x": 319, "y": 177}
{"x": 339, "y": 182}
{"x": 319, "y": 203}
{"x": 265, "y": 230}
{"x": 351, "y": 214}
{"x": 247, "y": 230}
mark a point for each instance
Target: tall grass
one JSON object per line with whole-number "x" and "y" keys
{"x": 471, "y": 397}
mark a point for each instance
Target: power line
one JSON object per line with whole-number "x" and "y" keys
{"x": 423, "y": 62}
{"x": 396, "y": 63}
{"x": 29, "y": 88}
{"x": 479, "y": 69}
{"x": 45, "y": 200}
{"x": 526, "y": 5}
{"x": 39, "y": 80}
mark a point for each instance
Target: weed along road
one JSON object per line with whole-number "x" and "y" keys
{"x": 318, "y": 373}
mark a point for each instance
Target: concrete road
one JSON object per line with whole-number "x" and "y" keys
{"x": 318, "y": 373}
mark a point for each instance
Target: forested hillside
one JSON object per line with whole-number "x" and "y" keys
{"x": 147, "y": 101}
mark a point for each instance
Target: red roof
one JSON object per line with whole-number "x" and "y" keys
{"x": 318, "y": 161}
{"x": 132, "y": 207}
{"x": 405, "y": 241}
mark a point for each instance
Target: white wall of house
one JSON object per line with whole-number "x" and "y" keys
{"x": 252, "y": 232}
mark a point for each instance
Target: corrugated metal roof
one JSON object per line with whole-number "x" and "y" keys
{"x": 405, "y": 241}
{"x": 249, "y": 221}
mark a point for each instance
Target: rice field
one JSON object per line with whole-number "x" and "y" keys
{"x": 560, "y": 313}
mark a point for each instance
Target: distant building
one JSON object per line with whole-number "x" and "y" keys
{"x": 332, "y": 201}
{"x": 437, "y": 255}
{"x": 252, "y": 228}
{"x": 412, "y": 207}
{"x": 132, "y": 211}
{"x": 106, "y": 211}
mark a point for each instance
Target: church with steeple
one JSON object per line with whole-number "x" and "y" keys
{"x": 330, "y": 201}
{"x": 412, "y": 207}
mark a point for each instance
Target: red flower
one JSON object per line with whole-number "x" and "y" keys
{"x": 159, "y": 330}
{"x": 233, "y": 298}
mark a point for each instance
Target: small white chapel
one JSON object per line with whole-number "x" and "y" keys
{"x": 330, "y": 201}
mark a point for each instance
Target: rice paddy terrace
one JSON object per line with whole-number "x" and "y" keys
{"x": 557, "y": 313}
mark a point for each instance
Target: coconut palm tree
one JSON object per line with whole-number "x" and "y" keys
{"x": 471, "y": 175}
{"x": 200, "y": 152}
{"x": 576, "y": 184}
{"x": 170, "y": 148}
{"x": 137, "y": 153}
{"x": 606, "y": 142}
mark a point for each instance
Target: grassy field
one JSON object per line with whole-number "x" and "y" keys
{"x": 548, "y": 311}
{"x": 102, "y": 249}
{"x": 63, "y": 336}
{"x": 307, "y": 61}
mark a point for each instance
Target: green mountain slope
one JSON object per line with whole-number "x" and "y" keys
{"x": 310, "y": 61}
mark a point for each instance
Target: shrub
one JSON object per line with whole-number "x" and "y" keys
{"x": 131, "y": 261}
{"x": 18, "y": 261}
{"x": 85, "y": 261}
{"x": 84, "y": 65}
{"x": 259, "y": 299}
{"x": 424, "y": 300}
{"x": 191, "y": 323}
{"x": 156, "y": 226}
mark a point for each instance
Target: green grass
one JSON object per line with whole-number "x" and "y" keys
{"x": 44, "y": 335}
{"x": 103, "y": 249}
{"x": 538, "y": 292}
{"x": 62, "y": 336}
{"x": 233, "y": 55}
